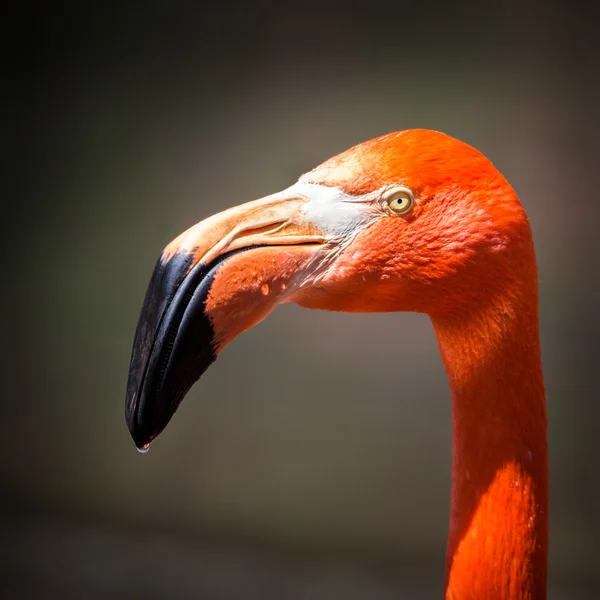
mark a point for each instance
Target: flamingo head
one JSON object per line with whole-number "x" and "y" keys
{"x": 411, "y": 221}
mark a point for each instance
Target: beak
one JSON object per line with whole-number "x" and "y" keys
{"x": 214, "y": 281}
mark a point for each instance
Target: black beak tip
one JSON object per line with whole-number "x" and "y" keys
{"x": 148, "y": 414}
{"x": 142, "y": 436}
{"x": 173, "y": 345}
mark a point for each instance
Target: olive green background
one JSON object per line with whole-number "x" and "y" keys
{"x": 312, "y": 461}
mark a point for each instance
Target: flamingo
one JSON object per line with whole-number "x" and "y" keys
{"x": 411, "y": 221}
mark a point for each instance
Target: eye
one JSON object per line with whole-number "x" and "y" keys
{"x": 401, "y": 202}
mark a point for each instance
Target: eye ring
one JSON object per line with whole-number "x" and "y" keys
{"x": 401, "y": 202}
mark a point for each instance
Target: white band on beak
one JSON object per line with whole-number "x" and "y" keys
{"x": 335, "y": 213}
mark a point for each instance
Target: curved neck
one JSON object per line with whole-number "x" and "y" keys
{"x": 497, "y": 544}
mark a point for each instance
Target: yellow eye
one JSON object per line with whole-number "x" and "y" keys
{"x": 401, "y": 202}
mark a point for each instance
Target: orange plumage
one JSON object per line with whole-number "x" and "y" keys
{"x": 463, "y": 253}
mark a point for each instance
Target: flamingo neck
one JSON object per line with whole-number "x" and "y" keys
{"x": 497, "y": 544}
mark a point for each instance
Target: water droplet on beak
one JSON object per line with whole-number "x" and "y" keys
{"x": 143, "y": 449}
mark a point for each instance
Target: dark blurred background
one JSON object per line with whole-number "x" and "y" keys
{"x": 312, "y": 461}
